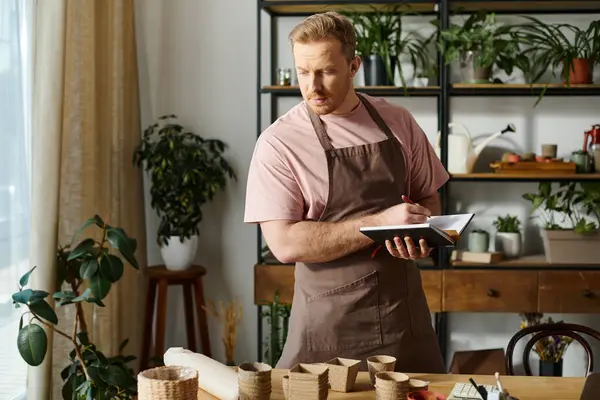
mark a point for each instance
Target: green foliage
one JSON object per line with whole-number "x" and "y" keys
{"x": 186, "y": 172}
{"x": 572, "y": 201}
{"x": 277, "y": 316}
{"x": 90, "y": 262}
{"x": 548, "y": 47}
{"x": 490, "y": 44}
{"x": 382, "y": 33}
{"x": 509, "y": 223}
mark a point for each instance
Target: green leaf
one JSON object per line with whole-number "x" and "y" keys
{"x": 28, "y": 295}
{"x": 126, "y": 245}
{"x": 81, "y": 249}
{"x": 25, "y": 278}
{"x": 88, "y": 268}
{"x": 44, "y": 310}
{"x": 116, "y": 376}
{"x": 95, "y": 220}
{"x": 100, "y": 286}
{"x": 111, "y": 267}
{"x": 32, "y": 344}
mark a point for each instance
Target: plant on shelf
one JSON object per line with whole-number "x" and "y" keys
{"x": 570, "y": 220}
{"x": 91, "y": 264}
{"x": 186, "y": 172}
{"x": 549, "y": 48}
{"x": 550, "y": 350}
{"x": 382, "y": 43}
{"x": 479, "y": 241}
{"x": 478, "y": 44}
{"x": 508, "y": 235}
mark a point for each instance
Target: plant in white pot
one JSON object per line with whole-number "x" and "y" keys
{"x": 186, "y": 171}
{"x": 571, "y": 216}
{"x": 508, "y": 235}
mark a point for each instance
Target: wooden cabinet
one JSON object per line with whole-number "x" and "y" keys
{"x": 474, "y": 290}
{"x": 569, "y": 292}
{"x": 493, "y": 291}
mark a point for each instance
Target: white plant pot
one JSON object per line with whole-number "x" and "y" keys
{"x": 178, "y": 256}
{"x": 508, "y": 243}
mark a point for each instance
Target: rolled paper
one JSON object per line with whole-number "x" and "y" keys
{"x": 214, "y": 377}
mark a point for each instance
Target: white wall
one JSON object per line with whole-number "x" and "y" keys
{"x": 198, "y": 60}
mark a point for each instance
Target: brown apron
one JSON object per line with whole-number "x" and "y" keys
{"x": 359, "y": 305}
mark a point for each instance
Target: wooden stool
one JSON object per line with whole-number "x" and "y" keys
{"x": 161, "y": 277}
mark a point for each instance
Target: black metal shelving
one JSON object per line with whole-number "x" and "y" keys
{"x": 443, "y": 93}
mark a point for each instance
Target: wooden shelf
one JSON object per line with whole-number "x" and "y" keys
{"x": 307, "y": 7}
{"x": 526, "y": 7}
{"x": 534, "y": 261}
{"x": 304, "y": 7}
{"x": 523, "y": 89}
{"x": 494, "y": 177}
{"x": 371, "y": 90}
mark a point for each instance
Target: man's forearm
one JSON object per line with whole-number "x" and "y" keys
{"x": 313, "y": 242}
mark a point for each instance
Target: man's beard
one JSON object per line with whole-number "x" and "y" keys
{"x": 331, "y": 103}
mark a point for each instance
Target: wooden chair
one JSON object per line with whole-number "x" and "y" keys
{"x": 544, "y": 330}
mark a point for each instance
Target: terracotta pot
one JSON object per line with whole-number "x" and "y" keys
{"x": 581, "y": 71}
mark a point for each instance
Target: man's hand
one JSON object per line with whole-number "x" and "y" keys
{"x": 406, "y": 214}
{"x": 408, "y": 250}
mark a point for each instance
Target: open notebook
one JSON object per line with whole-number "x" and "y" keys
{"x": 438, "y": 231}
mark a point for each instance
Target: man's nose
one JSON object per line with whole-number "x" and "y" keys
{"x": 316, "y": 83}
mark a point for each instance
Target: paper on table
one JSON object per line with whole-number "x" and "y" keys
{"x": 453, "y": 222}
{"x": 213, "y": 377}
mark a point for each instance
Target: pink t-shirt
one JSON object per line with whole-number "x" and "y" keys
{"x": 288, "y": 176}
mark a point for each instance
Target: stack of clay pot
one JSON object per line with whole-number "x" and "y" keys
{"x": 254, "y": 381}
{"x": 391, "y": 386}
{"x": 378, "y": 364}
{"x": 308, "y": 382}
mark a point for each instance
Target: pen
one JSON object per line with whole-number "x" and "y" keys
{"x": 497, "y": 375}
{"x": 404, "y": 199}
{"x": 480, "y": 390}
{"x": 409, "y": 201}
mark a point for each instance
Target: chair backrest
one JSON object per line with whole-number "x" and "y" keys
{"x": 544, "y": 330}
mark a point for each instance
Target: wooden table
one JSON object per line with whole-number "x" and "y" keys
{"x": 523, "y": 387}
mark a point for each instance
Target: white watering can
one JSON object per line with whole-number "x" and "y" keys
{"x": 461, "y": 153}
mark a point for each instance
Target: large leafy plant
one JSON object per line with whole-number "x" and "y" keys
{"x": 382, "y": 33}
{"x": 186, "y": 172}
{"x": 479, "y": 33}
{"x": 87, "y": 270}
{"x": 549, "y": 47}
{"x": 569, "y": 204}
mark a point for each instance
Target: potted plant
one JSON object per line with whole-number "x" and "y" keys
{"x": 550, "y": 350}
{"x": 570, "y": 220}
{"x": 382, "y": 43}
{"x": 374, "y": 32}
{"x": 479, "y": 241}
{"x": 550, "y": 48}
{"x": 508, "y": 235}
{"x": 477, "y": 44}
{"x": 186, "y": 171}
{"x": 91, "y": 264}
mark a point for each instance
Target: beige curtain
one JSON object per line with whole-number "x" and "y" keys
{"x": 86, "y": 126}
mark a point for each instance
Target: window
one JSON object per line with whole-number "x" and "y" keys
{"x": 15, "y": 156}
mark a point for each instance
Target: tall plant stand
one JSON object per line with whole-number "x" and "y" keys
{"x": 191, "y": 280}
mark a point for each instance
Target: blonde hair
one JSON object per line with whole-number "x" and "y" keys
{"x": 323, "y": 26}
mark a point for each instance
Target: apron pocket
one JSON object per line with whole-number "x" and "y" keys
{"x": 346, "y": 317}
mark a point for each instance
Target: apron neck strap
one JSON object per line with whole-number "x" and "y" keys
{"x": 319, "y": 128}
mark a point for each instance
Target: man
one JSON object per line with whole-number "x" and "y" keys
{"x": 335, "y": 162}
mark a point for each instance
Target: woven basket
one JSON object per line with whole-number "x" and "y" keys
{"x": 168, "y": 383}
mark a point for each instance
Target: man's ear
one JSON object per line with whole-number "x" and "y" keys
{"x": 354, "y": 66}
